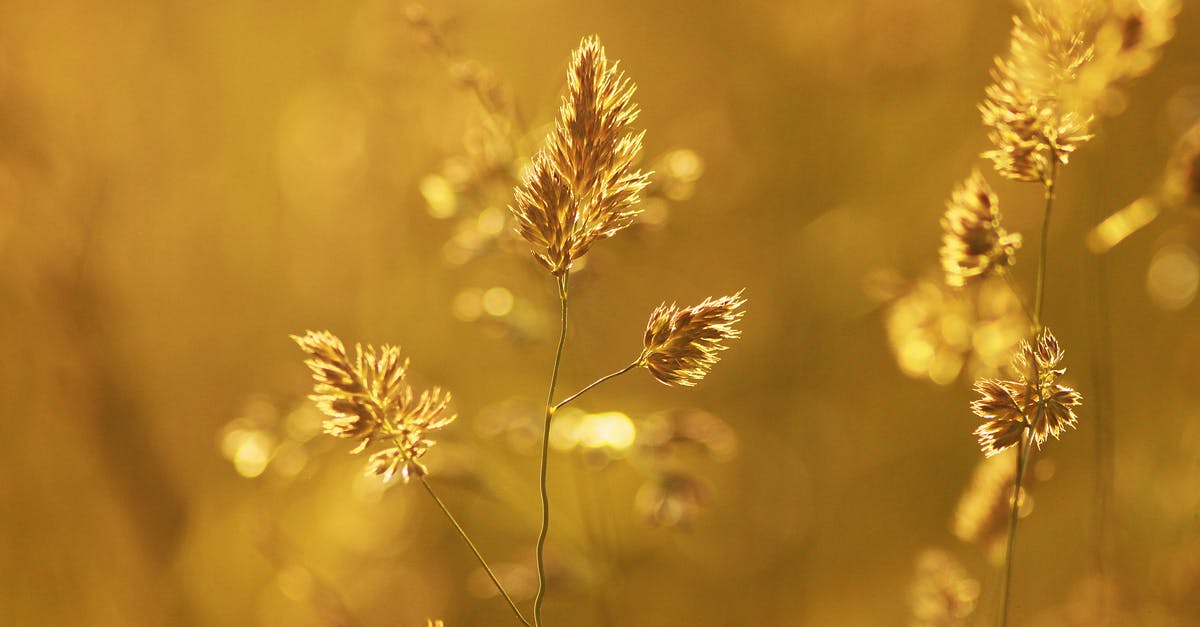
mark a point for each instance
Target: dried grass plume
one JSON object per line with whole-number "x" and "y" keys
{"x": 1029, "y": 124}
{"x": 582, "y": 185}
{"x": 368, "y": 398}
{"x": 974, "y": 244}
{"x": 682, "y": 344}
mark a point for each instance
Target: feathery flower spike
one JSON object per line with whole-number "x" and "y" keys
{"x": 369, "y": 399}
{"x": 682, "y": 344}
{"x": 974, "y": 243}
{"x": 1034, "y": 400}
{"x": 1023, "y": 108}
{"x": 582, "y": 185}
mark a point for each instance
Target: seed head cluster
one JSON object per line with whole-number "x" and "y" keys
{"x": 1033, "y": 400}
{"x": 1029, "y": 125}
{"x": 583, "y": 186}
{"x": 683, "y": 344}
{"x": 974, "y": 244}
{"x": 368, "y": 398}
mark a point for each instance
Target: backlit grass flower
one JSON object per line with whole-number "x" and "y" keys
{"x": 682, "y": 344}
{"x": 368, "y": 398}
{"x": 582, "y": 186}
{"x": 974, "y": 244}
{"x": 1023, "y": 108}
{"x": 1034, "y": 400}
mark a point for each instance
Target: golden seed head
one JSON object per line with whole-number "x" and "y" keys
{"x": 582, "y": 185}
{"x": 1034, "y": 400}
{"x": 942, "y": 593}
{"x": 974, "y": 244}
{"x": 683, "y": 344}
{"x": 369, "y": 399}
{"x": 1023, "y": 108}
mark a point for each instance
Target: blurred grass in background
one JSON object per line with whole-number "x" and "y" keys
{"x": 182, "y": 186}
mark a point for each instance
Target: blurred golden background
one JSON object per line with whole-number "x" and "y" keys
{"x": 183, "y": 185}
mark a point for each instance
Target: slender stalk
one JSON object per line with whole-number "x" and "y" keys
{"x": 541, "y": 543}
{"x": 1024, "y": 447}
{"x": 612, "y": 375}
{"x": 478, "y": 555}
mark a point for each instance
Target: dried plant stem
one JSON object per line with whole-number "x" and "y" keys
{"x": 478, "y": 555}
{"x": 541, "y": 543}
{"x": 1024, "y": 448}
{"x": 612, "y": 375}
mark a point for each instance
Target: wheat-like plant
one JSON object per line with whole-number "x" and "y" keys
{"x": 582, "y": 187}
{"x": 1046, "y": 91}
{"x": 1038, "y": 111}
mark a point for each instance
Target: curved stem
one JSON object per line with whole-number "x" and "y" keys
{"x": 478, "y": 555}
{"x": 611, "y": 375}
{"x": 541, "y": 543}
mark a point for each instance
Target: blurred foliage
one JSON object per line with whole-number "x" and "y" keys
{"x": 182, "y": 185}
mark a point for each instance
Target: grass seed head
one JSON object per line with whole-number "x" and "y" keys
{"x": 683, "y": 344}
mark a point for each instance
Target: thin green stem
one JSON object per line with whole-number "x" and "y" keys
{"x": 541, "y": 543}
{"x": 478, "y": 555}
{"x": 612, "y": 375}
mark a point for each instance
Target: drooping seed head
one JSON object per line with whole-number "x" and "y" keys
{"x": 681, "y": 345}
